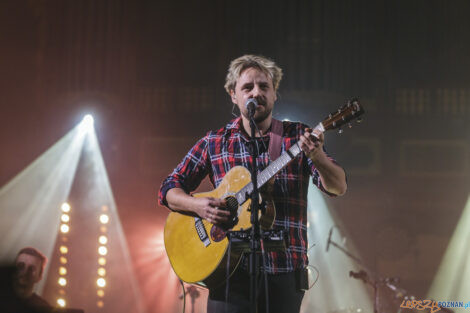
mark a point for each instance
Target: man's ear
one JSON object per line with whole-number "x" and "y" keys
{"x": 232, "y": 95}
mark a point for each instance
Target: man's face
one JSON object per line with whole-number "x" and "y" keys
{"x": 253, "y": 83}
{"x": 28, "y": 273}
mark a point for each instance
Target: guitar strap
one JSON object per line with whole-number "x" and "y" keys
{"x": 275, "y": 139}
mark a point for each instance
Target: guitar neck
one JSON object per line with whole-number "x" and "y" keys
{"x": 275, "y": 167}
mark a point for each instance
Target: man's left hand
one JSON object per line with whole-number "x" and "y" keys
{"x": 311, "y": 143}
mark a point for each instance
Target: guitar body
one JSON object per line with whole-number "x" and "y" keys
{"x": 194, "y": 260}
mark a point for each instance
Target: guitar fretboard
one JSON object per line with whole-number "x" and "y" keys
{"x": 272, "y": 170}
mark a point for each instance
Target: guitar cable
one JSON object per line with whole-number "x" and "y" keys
{"x": 227, "y": 274}
{"x": 183, "y": 296}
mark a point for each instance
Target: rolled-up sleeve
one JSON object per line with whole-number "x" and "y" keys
{"x": 312, "y": 169}
{"x": 316, "y": 175}
{"x": 189, "y": 173}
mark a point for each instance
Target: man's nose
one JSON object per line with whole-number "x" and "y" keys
{"x": 256, "y": 91}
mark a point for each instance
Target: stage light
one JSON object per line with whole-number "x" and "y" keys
{"x": 100, "y": 304}
{"x": 100, "y": 293}
{"x": 86, "y": 126}
{"x": 62, "y": 292}
{"x": 62, "y": 271}
{"x": 61, "y": 302}
{"x": 65, "y": 207}
{"x": 36, "y": 220}
{"x": 62, "y": 281}
{"x": 101, "y": 282}
{"x": 102, "y": 271}
{"x": 104, "y": 219}
{"x": 103, "y": 240}
{"x": 63, "y": 249}
{"x": 64, "y": 228}
{"x": 103, "y": 250}
{"x": 65, "y": 218}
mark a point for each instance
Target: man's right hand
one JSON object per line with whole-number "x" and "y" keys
{"x": 211, "y": 209}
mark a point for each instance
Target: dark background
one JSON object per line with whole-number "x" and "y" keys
{"x": 152, "y": 75}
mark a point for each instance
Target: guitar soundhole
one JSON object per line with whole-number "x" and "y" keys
{"x": 217, "y": 234}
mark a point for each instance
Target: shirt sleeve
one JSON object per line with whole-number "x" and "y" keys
{"x": 189, "y": 173}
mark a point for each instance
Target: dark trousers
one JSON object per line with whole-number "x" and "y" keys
{"x": 283, "y": 294}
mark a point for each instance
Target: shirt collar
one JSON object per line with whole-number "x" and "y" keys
{"x": 236, "y": 125}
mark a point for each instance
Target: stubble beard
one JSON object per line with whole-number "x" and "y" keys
{"x": 260, "y": 116}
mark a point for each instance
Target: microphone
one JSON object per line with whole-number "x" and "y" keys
{"x": 329, "y": 239}
{"x": 251, "y": 105}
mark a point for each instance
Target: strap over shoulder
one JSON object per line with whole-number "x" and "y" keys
{"x": 275, "y": 139}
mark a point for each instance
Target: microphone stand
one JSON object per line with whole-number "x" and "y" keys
{"x": 250, "y": 240}
{"x": 255, "y": 242}
{"x": 361, "y": 274}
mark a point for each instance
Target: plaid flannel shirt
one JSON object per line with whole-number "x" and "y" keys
{"x": 219, "y": 151}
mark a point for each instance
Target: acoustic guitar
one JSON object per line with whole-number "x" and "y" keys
{"x": 197, "y": 249}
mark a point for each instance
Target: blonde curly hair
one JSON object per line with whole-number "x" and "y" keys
{"x": 240, "y": 64}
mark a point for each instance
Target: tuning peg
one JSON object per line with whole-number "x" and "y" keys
{"x": 359, "y": 120}
{"x": 349, "y": 125}
{"x": 340, "y": 131}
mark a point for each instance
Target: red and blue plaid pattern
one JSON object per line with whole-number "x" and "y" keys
{"x": 221, "y": 150}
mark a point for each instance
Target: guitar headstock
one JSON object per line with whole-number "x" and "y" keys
{"x": 345, "y": 114}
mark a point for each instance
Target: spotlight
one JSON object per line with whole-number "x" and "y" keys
{"x": 65, "y": 218}
{"x": 100, "y": 304}
{"x": 63, "y": 249}
{"x": 103, "y": 250}
{"x": 61, "y": 302}
{"x": 104, "y": 218}
{"x": 103, "y": 240}
{"x": 87, "y": 123}
{"x": 102, "y": 261}
{"x": 101, "y": 282}
{"x": 65, "y": 207}
{"x": 62, "y": 271}
{"x": 62, "y": 281}
{"x": 64, "y": 228}
{"x": 102, "y": 271}
{"x": 63, "y": 260}
{"x": 100, "y": 293}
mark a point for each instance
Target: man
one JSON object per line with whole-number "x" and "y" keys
{"x": 257, "y": 77}
{"x": 30, "y": 264}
